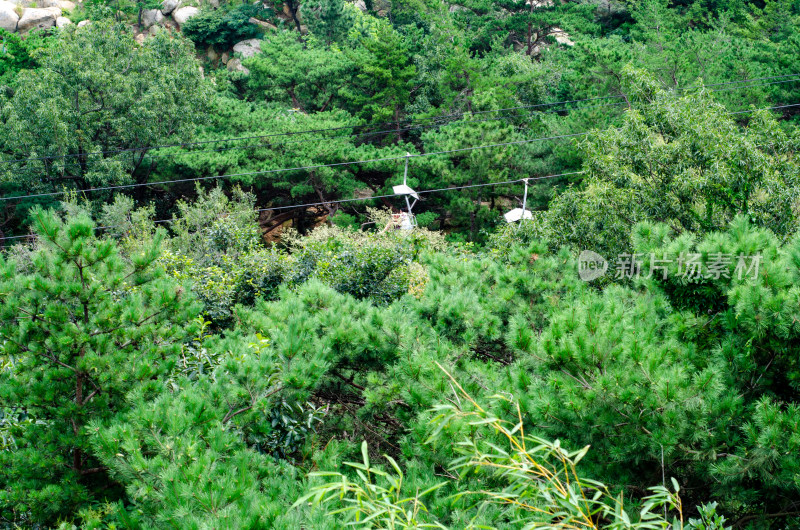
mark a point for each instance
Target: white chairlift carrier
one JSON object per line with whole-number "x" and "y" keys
{"x": 518, "y": 214}
{"x": 405, "y": 220}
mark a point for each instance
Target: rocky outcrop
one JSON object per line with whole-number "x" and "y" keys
{"x": 168, "y": 6}
{"x": 361, "y": 4}
{"x": 36, "y": 18}
{"x": 247, "y": 48}
{"x": 16, "y": 17}
{"x": 183, "y": 14}
{"x": 8, "y": 16}
{"x": 151, "y": 17}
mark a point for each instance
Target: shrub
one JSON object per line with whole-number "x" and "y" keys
{"x": 363, "y": 264}
{"x": 220, "y": 28}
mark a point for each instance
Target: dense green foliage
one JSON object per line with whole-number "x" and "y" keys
{"x": 17, "y": 54}
{"x": 80, "y": 119}
{"x": 233, "y": 333}
{"x": 221, "y": 27}
{"x": 81, "y": 327}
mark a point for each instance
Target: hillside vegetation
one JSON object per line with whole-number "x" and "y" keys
{"x": 211, "y": 317}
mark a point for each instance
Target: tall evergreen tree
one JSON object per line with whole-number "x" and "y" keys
{"x": 82, "y": 326}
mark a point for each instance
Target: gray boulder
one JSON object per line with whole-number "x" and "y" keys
{"x": 266, "y": 25}
{"x": 62, "y": 22}
{"x": 83, "y": 23}
{"x": 8, "y": 16}
{"x": 151, "y": 17}
{"x": 168, "y": 6}
{"x": 247, "y": 48}
{"x": 235, "y": 65}
{"x": 36, "y": 18}
{"x": 183, "y": 14}
{"x": 65, "y": 5}
{"x": 562, "y": 37}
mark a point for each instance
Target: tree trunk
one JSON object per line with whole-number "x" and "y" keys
{"x": 529, "y": 40}
{"x": 293, "y": 7}
{"x": 397, "y": 123}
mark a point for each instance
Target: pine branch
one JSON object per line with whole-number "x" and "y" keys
{"x": 348, "y": 381}
{"x": 230, "y": 414}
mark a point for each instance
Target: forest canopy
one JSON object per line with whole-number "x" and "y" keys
{"x": 218, "y": 311}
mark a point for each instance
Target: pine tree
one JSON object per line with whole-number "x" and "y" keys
{"x": 83, "y": 325}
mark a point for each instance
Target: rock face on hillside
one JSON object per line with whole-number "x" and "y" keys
{"x": 62, "y": 22}
{"x": 36, "y": 18}
{"x": 8, "y": 16}
{"x": 183, "y": 14}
